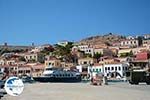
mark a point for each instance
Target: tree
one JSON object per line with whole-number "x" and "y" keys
{"x": 21, "y": 58}
{"x": 97, "y": 55}
{"x": 47, "y": 50}
{"x": 128, "y": 54}
{"x": 88, "y": 55}
{"x": 64, "y": 52}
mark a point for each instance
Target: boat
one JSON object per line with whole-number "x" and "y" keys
{"x": 58, "y": 75}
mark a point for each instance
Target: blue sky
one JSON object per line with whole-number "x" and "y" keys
{"x": 49, "y": 21}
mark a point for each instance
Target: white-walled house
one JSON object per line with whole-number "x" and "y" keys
{"x": 2, "y": 62}
{"x": 130, "y": 42}
{"x": 111, "y": 70}
{"x": 79, "y": 68}
{"x": 115, "y": 70}
{"x": 95, "y": 69}
{"x": 63, "y": 42}
{"x": 86, "y": 49}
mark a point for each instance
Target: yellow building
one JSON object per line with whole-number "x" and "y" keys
{"x": 134, "y": 50}
{"x": 86, "y": 61}
{"x": 123, "y": 51}
{"x": 53, "y": 62}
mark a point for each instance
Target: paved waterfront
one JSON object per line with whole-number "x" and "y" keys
{"x": 82, "y": 91}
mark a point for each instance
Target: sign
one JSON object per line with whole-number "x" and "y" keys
{"x": 14, "y": 86}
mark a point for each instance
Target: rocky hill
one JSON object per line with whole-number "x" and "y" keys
{"x": 107, "y": 39}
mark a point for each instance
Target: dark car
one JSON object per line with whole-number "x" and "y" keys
{"x": 27, "y": 79}
{"x": 2, "y": 83}
{"x": 137, "y": 76}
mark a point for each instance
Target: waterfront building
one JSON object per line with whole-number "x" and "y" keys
{"x": 37, "y": 70}
{"x": 95, "y": 69}
{"x": 115, "y": 70}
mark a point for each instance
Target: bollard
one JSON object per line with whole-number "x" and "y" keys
{"x": 105, "y": 82}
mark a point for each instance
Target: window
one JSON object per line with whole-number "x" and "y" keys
{"x": 89, "y": 62}
{"x": 107, "y": 74}
{"x": 119, "y": 68}
{"x": 108, "y": 68}
{"x": 84, "y": 62}
{"x": 84, "y": 69}
{"x": 27, "y": 71}
{"x": 123, "y": 68}
{"x": 93, "y": 70}
{"x": 134, "y": 42}
{"x": 97, "y": 70}
{"x": 115, "y": 68}
{"x": 112, "y": 68}
{"x": 105, "y": 68}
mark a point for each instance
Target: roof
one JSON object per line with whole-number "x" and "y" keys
{"x": 97, "y": 64}
{"x": 142, "y": 56}
{"x": 38, "y": 66}
{"x": 128, "y": 39}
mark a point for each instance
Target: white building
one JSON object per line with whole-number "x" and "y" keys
{"x": 130, "y": 37}
{"x": 63, "y": 43}
{"x": 37, "y": 49}
{"x": 95, "y": 69}
{"x": 79, "y": 68}
{"x": 2, "y": 62}
{"x": 146, "y": 42}
{"x": 115, "y": 70}
{"x": 147, "y": 36}
{"x": 130, "y": 43}
{"x": 86, "y": 49}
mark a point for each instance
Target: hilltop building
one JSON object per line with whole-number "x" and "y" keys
{"x": 130, "y": 42}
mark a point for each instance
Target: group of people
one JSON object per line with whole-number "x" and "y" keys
{"x": 98, "y": 79}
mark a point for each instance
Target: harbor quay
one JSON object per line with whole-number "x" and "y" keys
{"x": 82, "y": 91}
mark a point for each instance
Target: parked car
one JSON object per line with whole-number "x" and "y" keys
{"x": 27, "y": 79}
{"x": 2, "y": 83}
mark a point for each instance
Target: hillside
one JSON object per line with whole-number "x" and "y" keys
{"x": 107, "y": 39}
